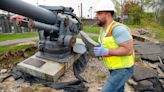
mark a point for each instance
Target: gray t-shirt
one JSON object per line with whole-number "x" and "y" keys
{"x": 121, "y": 34}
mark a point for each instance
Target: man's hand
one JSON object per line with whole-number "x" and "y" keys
{"x": 100, "y": 51}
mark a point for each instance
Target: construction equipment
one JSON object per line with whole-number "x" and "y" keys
{"x": 57, "y": 27}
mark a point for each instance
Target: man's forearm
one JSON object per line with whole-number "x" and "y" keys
{"x": 121, "y": 51}
{"x": 124, "y": 49}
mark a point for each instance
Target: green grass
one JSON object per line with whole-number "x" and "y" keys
{"x": 146, "y": 24}
{"x": 11, "y": 48}
{"x": 9, "y": 63}
{"x": 95, "y": 38}
{"x": 94, "y": 30}
{"x": 4, "y": 37}
{"x": 153, "y": 27}
{"x": 101, "y": 76}
{"x": 14, "y": 60}
{"x": 134, "y": 26}
{"x": 90, "y": 29}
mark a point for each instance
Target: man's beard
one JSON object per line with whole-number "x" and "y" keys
{"x": 100, "y": 23}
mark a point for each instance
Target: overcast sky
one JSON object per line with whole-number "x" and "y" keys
{"x": 75, "y": 4}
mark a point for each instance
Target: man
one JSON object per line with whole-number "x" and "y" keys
{"x": 116, "y": 48}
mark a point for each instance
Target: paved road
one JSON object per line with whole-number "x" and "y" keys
{"x": 16, "y": 41}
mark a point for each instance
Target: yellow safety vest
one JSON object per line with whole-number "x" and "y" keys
{"x": 108, "y": 41}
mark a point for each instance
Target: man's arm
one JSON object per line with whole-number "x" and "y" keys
{"x": 125, "y": 48}
{"x": 124, "y": 40}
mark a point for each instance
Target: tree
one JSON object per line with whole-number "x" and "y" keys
{"x": 133, "y": 9}
{"x": 158, "y": 6}
{"x": 117, "y": 4}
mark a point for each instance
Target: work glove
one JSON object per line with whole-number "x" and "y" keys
{"x": 100, "y": 51}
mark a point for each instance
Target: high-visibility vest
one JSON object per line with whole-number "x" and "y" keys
{"x": 108, "y": 41}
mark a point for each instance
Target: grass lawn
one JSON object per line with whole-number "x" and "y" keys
{"x": 12, "y": 48}
{"x": 4, "y": 37}
{"x": 11, "y": 61}
{"x": 90, "y": 29}
{"x": 94, "y": 30}
{"x": 153, "y": 27}
{"x": 95, "y": 38}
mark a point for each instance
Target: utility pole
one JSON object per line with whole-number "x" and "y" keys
{"x": 81, "y": 10}
{"x": 37, "y": 3}
{"x": 142, "y": 3}
{"x": 91, "y": 11}
{"x": 122, "y": 8}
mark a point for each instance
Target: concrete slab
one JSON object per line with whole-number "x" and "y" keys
{"x": 49, "y": 70}
{"x": 87, "y": 40}
{"x": 148, "y": 49}
{"x": 145, "y": 86}
{"x": 136, "y": 42}
{"x": 142, "y": 73}
{"x": 161, "y": 66}
{"x": 90, "y": 43}
{"x": 144, "y": 38}
{"x": 152, "y": 57}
